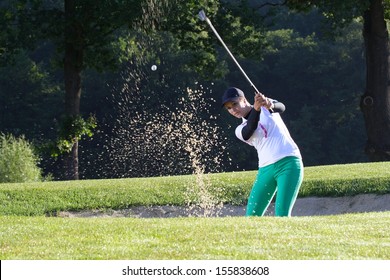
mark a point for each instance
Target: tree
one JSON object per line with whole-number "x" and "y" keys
{"x": 82, "y": 32}
{"x": 88, "y": 30}
{"x": 375, "y": 102}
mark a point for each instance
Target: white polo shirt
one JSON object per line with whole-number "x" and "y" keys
{"x": 271, "y": 139}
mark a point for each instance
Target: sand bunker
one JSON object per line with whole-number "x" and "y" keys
{"x": 309, "y": 206}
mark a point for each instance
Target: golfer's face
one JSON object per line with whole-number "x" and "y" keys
{"x": 236, "y": 107}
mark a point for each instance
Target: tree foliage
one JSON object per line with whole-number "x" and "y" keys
{"x": 18, "y": 160}
{"x": 286, "y": 55}
{"x": 376, "y": 98}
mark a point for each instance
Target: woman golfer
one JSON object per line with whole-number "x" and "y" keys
{"x": 280, "y": 162}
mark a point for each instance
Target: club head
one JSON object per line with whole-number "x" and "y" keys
{"x": 202, "y": 15}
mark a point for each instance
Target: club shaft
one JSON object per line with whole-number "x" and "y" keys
{"x": 231, "y": 55}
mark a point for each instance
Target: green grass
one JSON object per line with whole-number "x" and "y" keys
{"x": 347, "y": 179}
{"x": 47, "y": 198}
{"x": 26, "y": 233}
{"x": 352, "y": 236}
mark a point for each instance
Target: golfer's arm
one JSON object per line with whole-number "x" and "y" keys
{"x": 251, "y": 124}
{"x": 254, "y": 117}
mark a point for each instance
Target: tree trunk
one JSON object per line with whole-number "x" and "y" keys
{"x": 73, "y": 61}
{"x": 375, "y": 103}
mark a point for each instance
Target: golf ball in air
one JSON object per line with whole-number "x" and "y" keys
{"x": 154, "y": 67}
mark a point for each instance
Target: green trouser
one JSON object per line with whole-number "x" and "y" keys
{"x": 284, "y": 177}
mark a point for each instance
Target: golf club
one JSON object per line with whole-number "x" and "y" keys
{"x": 202, "y": 16}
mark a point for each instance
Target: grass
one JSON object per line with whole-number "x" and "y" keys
{"x": 47, "y": 198}
{"x": 26, "y": 233}
{"x": 352, "y": 236}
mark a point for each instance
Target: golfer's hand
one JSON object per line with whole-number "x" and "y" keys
{"x": 261, "y": 101}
